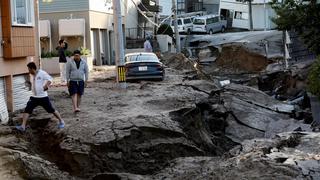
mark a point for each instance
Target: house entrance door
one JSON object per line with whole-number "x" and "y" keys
{"x": 4, "y": 117}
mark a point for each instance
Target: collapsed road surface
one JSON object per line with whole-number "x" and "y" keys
{"x": 173, "y": 129}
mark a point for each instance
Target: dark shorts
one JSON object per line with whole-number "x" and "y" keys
{"x": 76, "y": 87}
{"x": 34, "y": 102}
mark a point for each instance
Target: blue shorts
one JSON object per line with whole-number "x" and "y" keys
{"x": 34, "y": 102}
{"x": 76, "y": 87}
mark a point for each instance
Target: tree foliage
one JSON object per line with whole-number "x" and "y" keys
{"x": 314, "y": 79}
{"x": 302, "y": 17}
{"x": 165, "y": 29}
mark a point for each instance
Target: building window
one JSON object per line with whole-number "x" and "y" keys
{"x": 22, "y": 12}
{"x": 241, "y": 15}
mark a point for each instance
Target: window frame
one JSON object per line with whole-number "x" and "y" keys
{"x": 29, "y": 14}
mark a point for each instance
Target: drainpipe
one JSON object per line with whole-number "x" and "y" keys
{"x": 38, "y": 38}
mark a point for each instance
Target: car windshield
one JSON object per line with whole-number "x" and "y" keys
{"x": 198, "y": 21}
{"x": 141, "y": 57}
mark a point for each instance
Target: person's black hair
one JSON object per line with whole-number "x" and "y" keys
{"x": 32, "y": 65}
{"x": 61, "y": 41}
{"x": 76, "y": 52}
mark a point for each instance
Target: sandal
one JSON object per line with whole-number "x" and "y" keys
{"x": 61, "y": 125}
{"x": 20, "y": 128}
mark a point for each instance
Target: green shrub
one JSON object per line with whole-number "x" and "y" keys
{"x": 314, "y": 78}
{"x": 49, "y": 54}
{"x": 165, "y": 29}
{"x": 68, "y": 53}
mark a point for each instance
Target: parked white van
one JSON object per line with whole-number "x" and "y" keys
{"x": 184, "y": 25}
{"x": 209, "y": 24}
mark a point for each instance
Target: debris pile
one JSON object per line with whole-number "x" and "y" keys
{"x": 178, "y": 62}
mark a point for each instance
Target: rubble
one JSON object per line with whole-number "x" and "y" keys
{"x": 180, "y": 128}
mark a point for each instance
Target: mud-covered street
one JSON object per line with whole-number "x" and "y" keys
{"x": 185, "y": 127}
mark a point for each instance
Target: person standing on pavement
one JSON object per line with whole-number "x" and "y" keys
{"x": 63, "y": 46}
{"x": 147, "y": 45}
{"x": 40, "y": 84}
{"x": 77, "y": 74}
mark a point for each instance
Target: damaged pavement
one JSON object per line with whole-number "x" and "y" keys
{"x": 188, "y": 126}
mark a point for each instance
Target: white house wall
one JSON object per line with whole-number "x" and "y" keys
{"x": 233, "y": 5}
{"x": 105, "y": 6}
{"x": 257, "y": 12}
{"x": 258, "y": 18}
{"x": 132, "y": 15}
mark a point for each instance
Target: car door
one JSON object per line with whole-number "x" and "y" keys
{"x": 216, "y": 24}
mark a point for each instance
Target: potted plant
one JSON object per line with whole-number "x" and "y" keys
{"x": 86, "y": 55}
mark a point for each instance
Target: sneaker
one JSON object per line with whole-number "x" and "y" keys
{"x": 20, "y": 128}
{"x": 61, "y": 125}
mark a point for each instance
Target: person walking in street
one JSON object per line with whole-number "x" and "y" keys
{"x": 77, "y": 74}
{"x": 63, "y": 46}
{"x": 147, "y": 45}
{"x": 40, "y": 84}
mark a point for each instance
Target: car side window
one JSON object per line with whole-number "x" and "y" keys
{"x": 215, "y": 19}
{"x": 179, "y": 22}
{"x": 209, "y": 20}
{"x": 187, "y": 21}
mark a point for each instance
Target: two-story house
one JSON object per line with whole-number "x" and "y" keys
{"x": 237, "y": 14}
{"x": 82, "y": 23}
{"x": 19, "y": 45}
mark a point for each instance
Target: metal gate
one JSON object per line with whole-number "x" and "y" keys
{"x": 4, "y": 116}
{"x": 21, "y": 92}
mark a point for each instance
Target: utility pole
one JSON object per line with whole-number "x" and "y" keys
{"x": 119, "y": 44}
{"x": 250, "y": 15}
{"x": 174, "y": 9}
{"x": 264, "y": 15}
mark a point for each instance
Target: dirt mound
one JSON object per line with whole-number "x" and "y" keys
{"x": 240, "y": 59}
{"x": 178, "y": 61}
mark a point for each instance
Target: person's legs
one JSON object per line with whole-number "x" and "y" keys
{"x": 74, "y": 98}
{"x": 78, "y": 101}
{"x": 25, "y": 117}
{"x": 80, "y": 90}
{"x": 63, "y": 72}
{"x": 73, "y": 88}
{"x": 46, "y": 104}
{"x": 32, "y": 103}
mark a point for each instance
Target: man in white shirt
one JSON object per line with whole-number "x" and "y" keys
{"x": 40, "y": 85}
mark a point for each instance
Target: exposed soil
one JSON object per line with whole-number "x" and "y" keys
{"x": 238, "y": 58}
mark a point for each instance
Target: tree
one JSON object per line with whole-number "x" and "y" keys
{"x": 165, "y": 29}
{"x": 304, "y": 19}
{"x": 250, "y": 12}
{"x": 301, "y": 17}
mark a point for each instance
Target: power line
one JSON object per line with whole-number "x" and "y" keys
{"x": 144, "y": 14}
